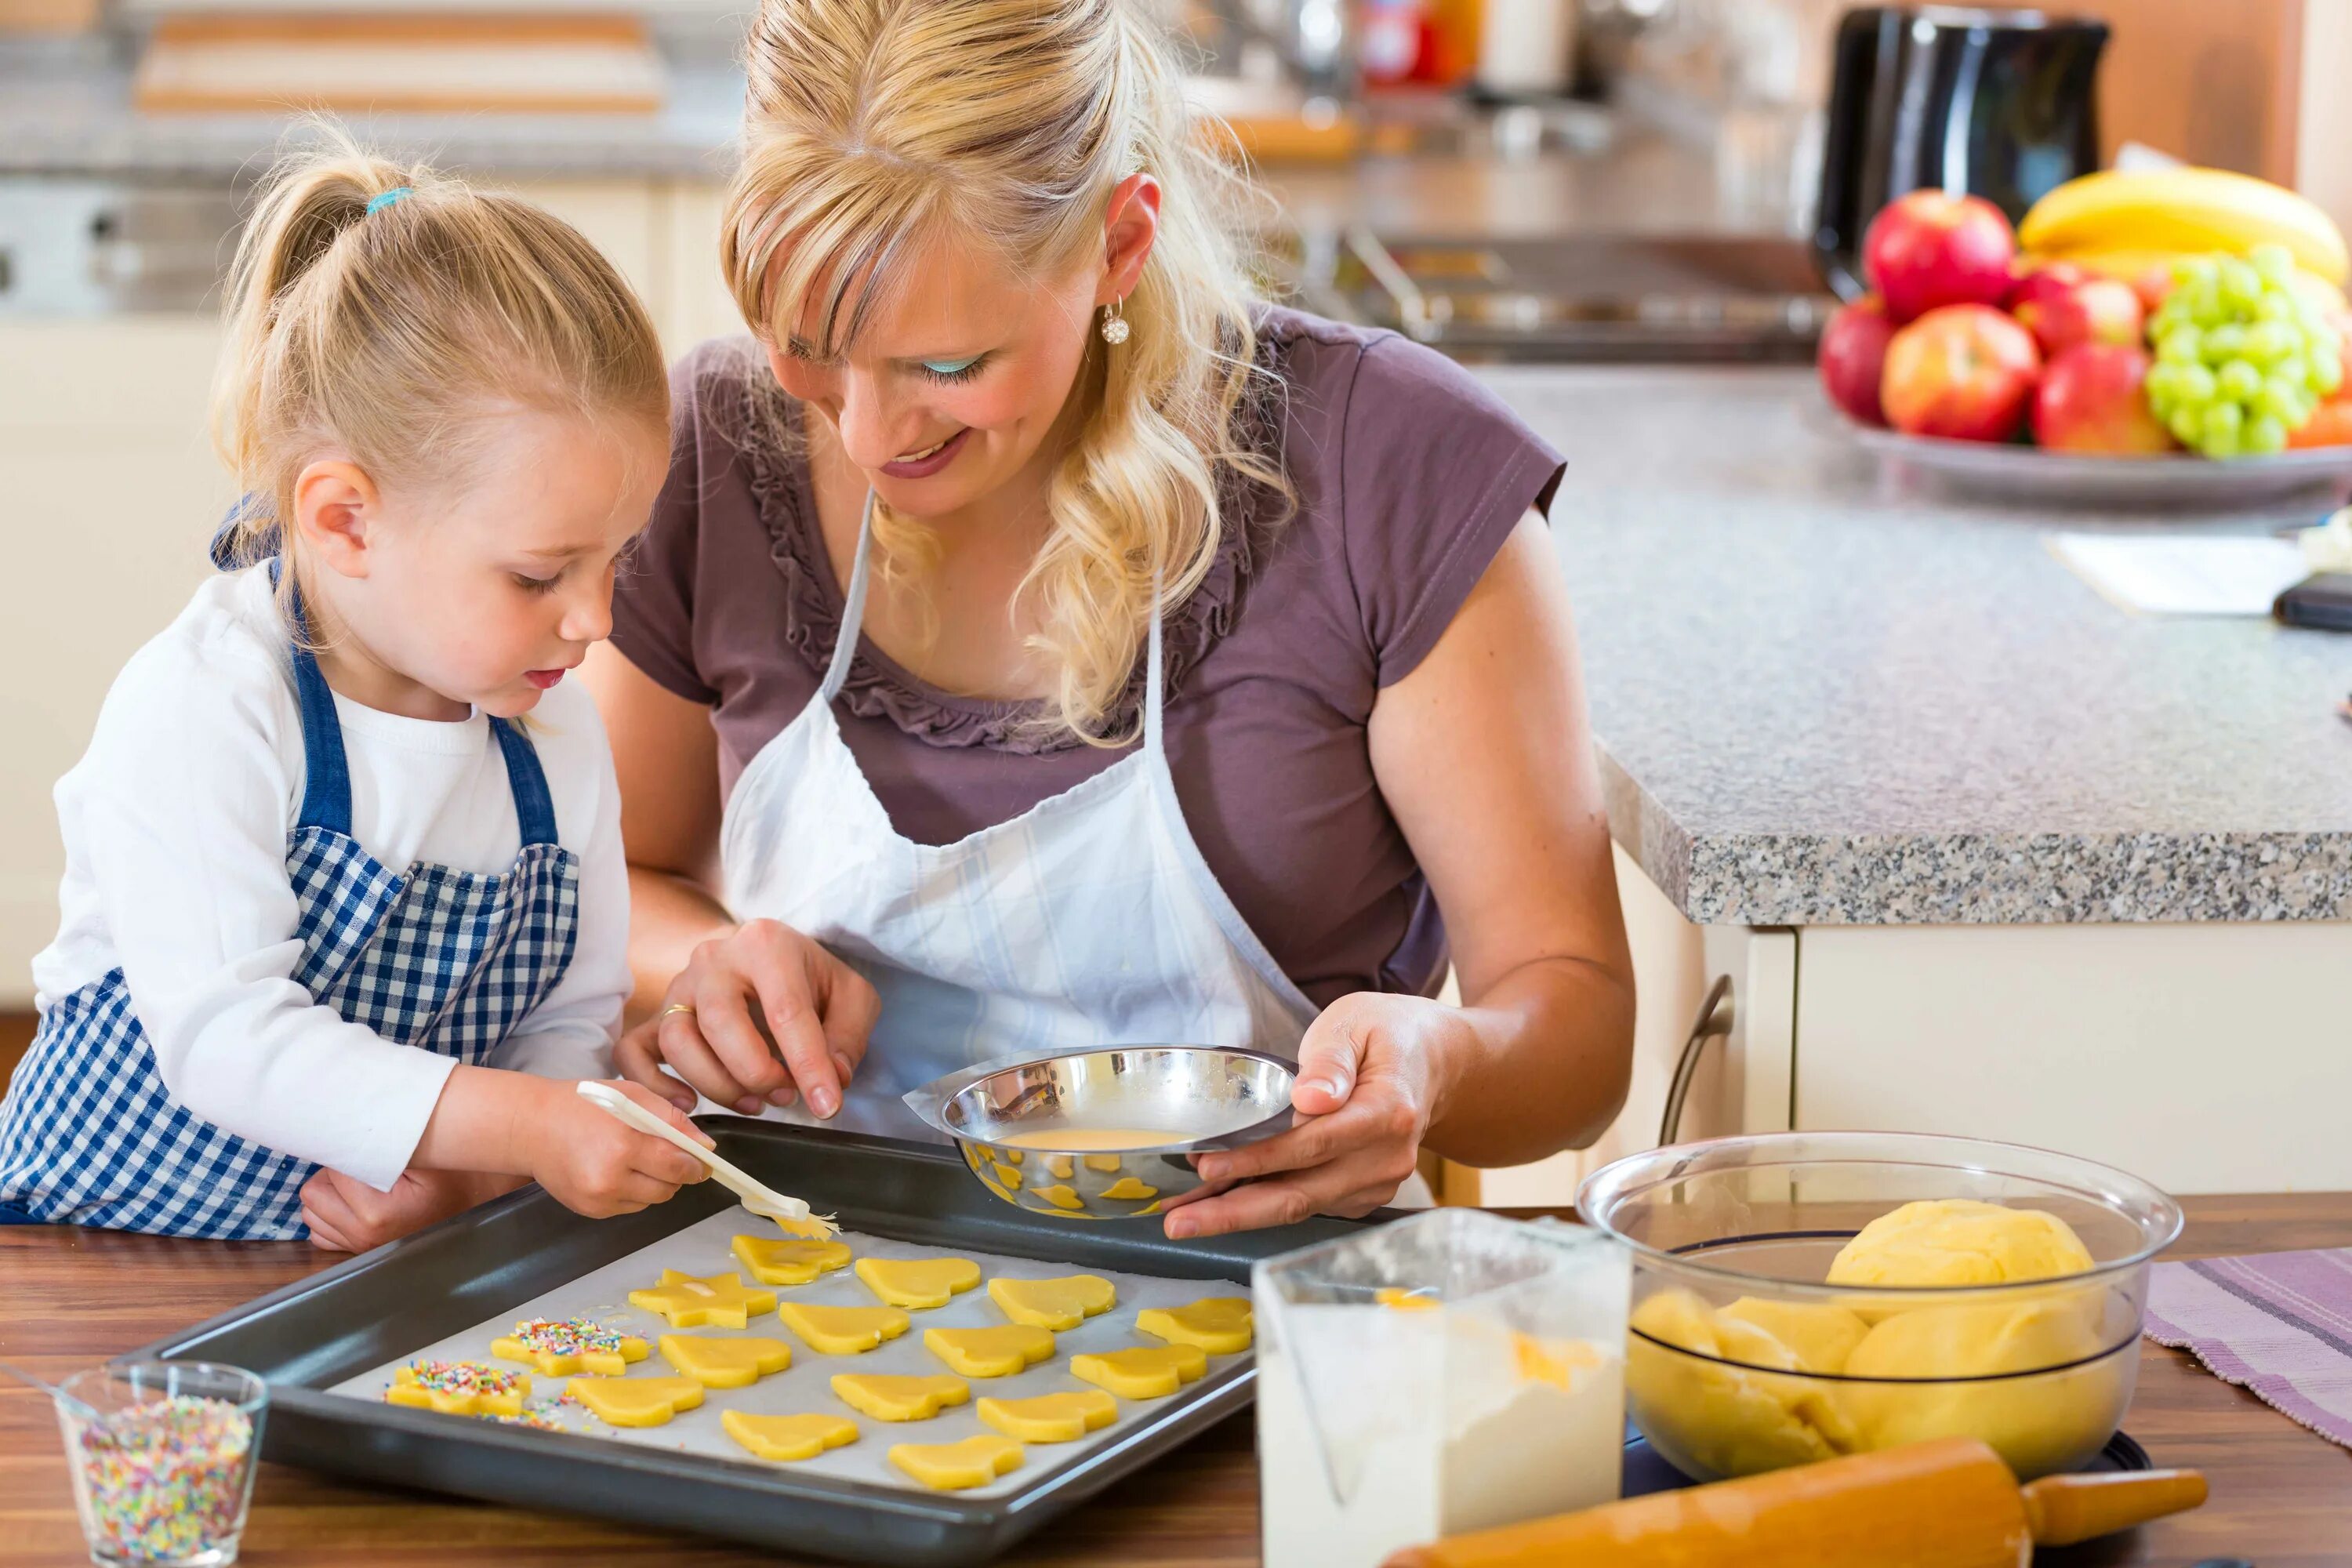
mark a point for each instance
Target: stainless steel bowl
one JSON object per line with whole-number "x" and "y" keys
{"x": 1023, "y": 1127}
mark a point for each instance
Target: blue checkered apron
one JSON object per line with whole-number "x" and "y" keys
{"x": 429, "y": 956}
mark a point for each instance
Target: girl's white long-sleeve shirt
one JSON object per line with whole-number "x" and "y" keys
{"x": 175, "y": 825}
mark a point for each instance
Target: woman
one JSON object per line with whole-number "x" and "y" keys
{"x": 1037, "y": 645}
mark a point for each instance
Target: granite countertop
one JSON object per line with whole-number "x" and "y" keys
{"x": 1826, "y": 696}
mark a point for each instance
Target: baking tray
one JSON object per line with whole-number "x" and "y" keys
{"x": 390, "y": 1303}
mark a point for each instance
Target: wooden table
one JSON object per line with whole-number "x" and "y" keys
{"x": 2281, "y": 1497}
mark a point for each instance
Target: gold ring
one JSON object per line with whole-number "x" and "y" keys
{"x": 685, "y": 1007}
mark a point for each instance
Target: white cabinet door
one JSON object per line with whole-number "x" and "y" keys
{"x": 699, "y": 306}
{"x": 109, "y": 492}
{"x": 2205, "y": 1059}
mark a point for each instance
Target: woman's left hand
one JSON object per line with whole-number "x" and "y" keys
{"x": 1373, "y": 1071}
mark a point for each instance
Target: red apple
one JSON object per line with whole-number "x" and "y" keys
{"x": 2154, "y": 282}
{"x": 1853, "y": 358}
{"x": 1961, "y": 371}
{"x": 2050, "y": 278}
{"x": 2091, "y": 400}
{"x": 1929, "y": 249}
{"x": 2063, "y": 310}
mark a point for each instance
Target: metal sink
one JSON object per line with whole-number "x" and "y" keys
{"x": 1621, "y": 298}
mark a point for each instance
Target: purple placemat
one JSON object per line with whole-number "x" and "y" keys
{"x": 2278, "y": 1323}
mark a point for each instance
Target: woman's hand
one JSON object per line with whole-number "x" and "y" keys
{"x": 761, "y": 1013}
{"x": 348, "y": 1215}
{"x": 1373, "y": 1072}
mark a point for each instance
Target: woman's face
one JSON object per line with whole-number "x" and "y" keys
{"x": 957, "y": 377}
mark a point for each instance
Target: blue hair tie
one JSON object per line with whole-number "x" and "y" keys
{"x": 384, "y": 199}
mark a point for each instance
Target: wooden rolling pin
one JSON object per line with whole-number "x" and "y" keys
{"x": 1947, "y": 1504}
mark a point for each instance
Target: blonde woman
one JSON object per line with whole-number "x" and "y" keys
{"x": 1040, "y": 645}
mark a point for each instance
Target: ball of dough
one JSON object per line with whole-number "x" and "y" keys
{"x": 1717, "y": 1420}
{"x": 2040, "y": 1422}
{"x": 1960, "y": 1241}
{"x": 1820, "y": 1336}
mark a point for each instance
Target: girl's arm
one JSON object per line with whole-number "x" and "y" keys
{"x": 181, "y": 809}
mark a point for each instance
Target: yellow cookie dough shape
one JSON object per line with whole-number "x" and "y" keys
{"x": 951, "y": 1466}
{"x": 1218, "y": 1324}
{"x": 1060, "y": 1167}
{"x": 998, "y": 1352}
{"x": 788, "y": 1437}
{"x": 789, "y": 1262}
{"x": 1055, "y": 1304}
{"x": 1129, "y": 1187}
{"x": 1062, "y": 1196}
{"x": 693, "y": 1301}
{"x": 1402, "y": 1300}
{"x": 561, "y": 1348}
{"x": 1145, "y": 1372}
{"x": 1050, "y": 1417}
{"x": 458, "y": 1388}
{"x": 717, "y": 1363}
{"x": 889, "y": 1398}
{"x": 918, "y": 1282}
{"x": 1105, "y": 1164}
{"x": 843, "y": 1331}
{"x": 1006, "y": 1176}
{"x": 635, "y": 1401}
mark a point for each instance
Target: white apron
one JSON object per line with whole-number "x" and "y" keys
{"x": 1090, "y": 919}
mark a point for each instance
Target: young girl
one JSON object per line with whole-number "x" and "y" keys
{"x": 338, "y": 924}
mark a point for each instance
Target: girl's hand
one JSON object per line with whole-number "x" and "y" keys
{"x": 762, "y": 1015}
{"x": 597, "y": 1164}
{"x": 1372, "y": 1072}
{"x": 347, "y": 1215}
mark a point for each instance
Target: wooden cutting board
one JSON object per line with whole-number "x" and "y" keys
{"x": 418, "y": 64}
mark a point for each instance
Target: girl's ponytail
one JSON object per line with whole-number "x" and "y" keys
{"x": 306, "y": 203}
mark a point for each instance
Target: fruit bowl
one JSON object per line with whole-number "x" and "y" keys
{"x": 1736, "y": 1235}
{"x": 2170, "y": 481}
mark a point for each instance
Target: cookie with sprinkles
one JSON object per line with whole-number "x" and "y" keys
{"x": 561, "y": 1346}
{"x": 458, "y": 1388}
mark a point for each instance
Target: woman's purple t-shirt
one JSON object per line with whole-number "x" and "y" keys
{"x": 1409, "y": 475}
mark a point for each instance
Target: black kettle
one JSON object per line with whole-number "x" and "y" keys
{"x": 2001, "y": 104}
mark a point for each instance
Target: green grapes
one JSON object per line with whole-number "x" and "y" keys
{"x": 2242, "y": 359}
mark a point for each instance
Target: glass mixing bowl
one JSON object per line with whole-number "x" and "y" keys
{"x": 1741, "y": 1359}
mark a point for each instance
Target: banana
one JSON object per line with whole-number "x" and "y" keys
{"x": 2184, "y": 210}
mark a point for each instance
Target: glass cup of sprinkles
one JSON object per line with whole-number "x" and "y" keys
{"x": 162, "y": 1453}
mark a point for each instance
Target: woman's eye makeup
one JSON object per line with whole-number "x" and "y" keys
{"x": 954, "y": 369}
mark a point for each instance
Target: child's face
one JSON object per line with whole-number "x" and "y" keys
{"x": 487, "y": 594}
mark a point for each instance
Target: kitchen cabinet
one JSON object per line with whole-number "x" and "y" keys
{"x": 111, "y": 491}
{"x": 2204, "y": 1057}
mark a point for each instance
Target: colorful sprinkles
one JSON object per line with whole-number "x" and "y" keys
{"x": 569, "y": 1336}
{"x": 464, "y": 1377}
{"x": 166, "y": 1480}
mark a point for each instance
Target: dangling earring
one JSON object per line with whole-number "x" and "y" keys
{"x": 1114, "y": 324}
